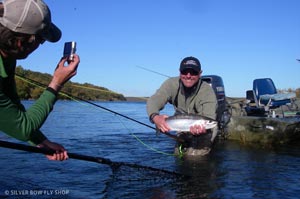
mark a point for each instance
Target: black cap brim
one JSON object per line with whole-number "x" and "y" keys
{"x": 190, "y": 66}
{"x": 51, "y": 34}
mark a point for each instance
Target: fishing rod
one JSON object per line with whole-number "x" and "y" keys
{"x": 102, "y": 107}
{"x": 152, "y": 71}
{"x": 100, "y": 160}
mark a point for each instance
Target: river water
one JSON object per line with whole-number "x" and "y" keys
{"x": 230, "y": 171}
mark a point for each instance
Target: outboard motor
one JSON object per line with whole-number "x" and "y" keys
{"x": 223, "y": 112}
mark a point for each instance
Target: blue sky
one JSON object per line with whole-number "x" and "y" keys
{"x": 239, "y": 40}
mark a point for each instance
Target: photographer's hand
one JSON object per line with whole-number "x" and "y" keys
{"x": 60, "y": 152}
{"x": 63, "y": 73}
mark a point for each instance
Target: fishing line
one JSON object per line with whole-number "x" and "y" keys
{"x": 95, "y": 89}
{"x": 77, "y": 99}
{"x": 151, "y": 148}
{"x": 143, "y": 143}
{"x": 42, "y": 86}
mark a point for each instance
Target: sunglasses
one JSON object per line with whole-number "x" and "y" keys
{"x": 187, "y": 71}
{"x": 36, "y": 38}
{"x": 29, "y": 40}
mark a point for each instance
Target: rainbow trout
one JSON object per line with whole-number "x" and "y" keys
{"x": 183, "y": 122}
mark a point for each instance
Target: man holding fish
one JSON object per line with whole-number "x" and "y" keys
{"x": 195, "y": 104}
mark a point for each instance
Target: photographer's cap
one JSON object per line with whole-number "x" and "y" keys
{"x": 29, "y": 17}
{"x": 190, "y": 63}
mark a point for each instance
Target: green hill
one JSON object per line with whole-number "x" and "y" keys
{"x": 31, "y": 84}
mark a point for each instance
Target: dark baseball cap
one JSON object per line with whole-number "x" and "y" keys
{"x": 190, "y": 63}
{"x": 29, "y": 17}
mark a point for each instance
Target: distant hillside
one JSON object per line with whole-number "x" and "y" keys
{"x": 136, "y": 99}
{"x": 28, "y": 89}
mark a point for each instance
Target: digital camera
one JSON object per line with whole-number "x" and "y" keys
{"x": 69, "y": 50}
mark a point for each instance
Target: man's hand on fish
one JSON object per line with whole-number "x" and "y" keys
{"x": 160, "y": 122}
{"x": 197, "y": 129}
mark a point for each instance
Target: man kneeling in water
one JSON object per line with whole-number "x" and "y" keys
{"x": 189, "y": 94}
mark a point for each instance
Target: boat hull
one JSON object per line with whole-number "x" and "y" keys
{"x": 264, "y": 130}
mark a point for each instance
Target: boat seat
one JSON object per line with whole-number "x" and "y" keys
{"x": 252, "y": 107}
{"x": 277, "y": 99}
{"x": 251, "y": 99}
{"x": 267, "y": 96}
{"x": 264, "y": 97}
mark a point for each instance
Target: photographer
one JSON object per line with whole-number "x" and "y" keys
{"x": 24, "y": 25}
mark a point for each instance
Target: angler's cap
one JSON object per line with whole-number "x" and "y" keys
{"x": 190, "y": 63}
{"x": 29, "y": 17}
